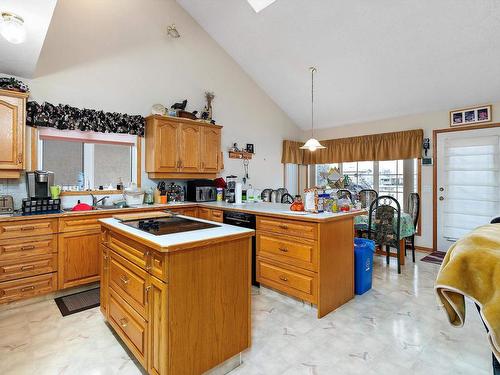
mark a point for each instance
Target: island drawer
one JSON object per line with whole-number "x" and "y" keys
{"x": 129, "y": 282}
{"x": 30, "y": 266}
{"x": 288, "y": 250}
{"x": 129, "y": 325}
{"x": 25, "y": 228}
{"x": 19, "y": 248}
{"x": 27, "y": 287}
{"x": 216, "y": 215}
{"x": 301, "y": 229}
{"x": 132, "y": 250}
{"x": 300, "y": 284}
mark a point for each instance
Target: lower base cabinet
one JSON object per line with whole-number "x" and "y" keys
{"x": 27, "y": 287}
{"x": 79, "y": 258}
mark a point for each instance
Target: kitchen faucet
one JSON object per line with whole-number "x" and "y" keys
{"x": 96, "y": 201}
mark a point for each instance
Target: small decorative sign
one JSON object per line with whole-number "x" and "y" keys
{"x": 471, "y": 116}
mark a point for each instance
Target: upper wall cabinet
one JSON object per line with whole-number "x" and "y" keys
{"x": 181, "y": 148}
{"x": 12, "y": 125}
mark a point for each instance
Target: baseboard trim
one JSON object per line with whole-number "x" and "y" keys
{"x": 423, "y": 249}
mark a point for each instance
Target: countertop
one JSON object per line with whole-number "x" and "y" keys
{"x": 262, "y": 208}
{"x": 178, "y": 241}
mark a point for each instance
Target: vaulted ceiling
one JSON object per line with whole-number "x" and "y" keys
{"x": 21, "y": 59}
{"x": 376, "y": 58}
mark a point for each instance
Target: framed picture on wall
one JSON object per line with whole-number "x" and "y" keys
{"x": 471, "y": 116}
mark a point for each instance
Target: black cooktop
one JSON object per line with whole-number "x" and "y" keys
{"x": 168, "y": 225}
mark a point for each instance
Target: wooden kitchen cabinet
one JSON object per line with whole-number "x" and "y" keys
{"x": 104, "y": 280}
{"x": 12, "y": 128}
{"x": 79, "y": 258}
{"x": 182, "y": 148}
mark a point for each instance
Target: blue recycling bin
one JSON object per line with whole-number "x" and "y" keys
{"x": 363, "y": 264}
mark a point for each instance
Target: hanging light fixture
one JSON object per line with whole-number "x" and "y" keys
{"x": 12, "y": 28}
{"x": 312, "y": 143}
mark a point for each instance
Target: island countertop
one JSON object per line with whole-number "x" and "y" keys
{"x": 280, "y": 210}
{"x": 180, "y": 241}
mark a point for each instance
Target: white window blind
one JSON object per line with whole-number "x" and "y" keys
{"x": 472, "y": 196}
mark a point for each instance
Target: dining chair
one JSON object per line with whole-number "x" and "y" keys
{"x": 344, "y": 193}
{"x": 367, "y": 196}
{"x": 287, "y": 198}
{"x": 385, "y": 217}
{"x": 414, "y": 211}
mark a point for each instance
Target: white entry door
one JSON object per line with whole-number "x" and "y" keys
{"x": 468, "y": 182}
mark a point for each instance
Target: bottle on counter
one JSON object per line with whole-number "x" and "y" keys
{"x": 148, "y": 196}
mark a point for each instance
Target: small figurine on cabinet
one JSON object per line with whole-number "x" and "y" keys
{"x": 180, "y": 106}
{"x": 250, "y": 149}
{"x": 207, "y": 113}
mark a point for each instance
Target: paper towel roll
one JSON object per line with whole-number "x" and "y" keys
{"x": 238, "y": 190}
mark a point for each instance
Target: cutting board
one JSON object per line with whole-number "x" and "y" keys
{"x": 142, "y": 216}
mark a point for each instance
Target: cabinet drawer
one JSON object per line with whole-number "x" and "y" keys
{"x": 19, "y": 248}
{"x": 129, "y": 281}
{"x": 127, "y": 248}
{"x": 81, "y": 222}
{"x": 301, "y": 229}
{"x": 129, "y": 325}
{"x": 216, "y": 215}
{"x": 25, "y": 228}
{"x": 192, "y": 212}
{"x": 204, "y": 213}
{"x": 288, "y": 250}
{"x": 37, "y": 265}
{"x": 27, "y": 287}
{"x": 302, "y": 285}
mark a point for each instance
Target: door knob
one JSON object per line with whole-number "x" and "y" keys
{"x": 441, "y": 189}
{"x": 441, "y": 198}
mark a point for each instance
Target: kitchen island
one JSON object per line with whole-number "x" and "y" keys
{"x": 180, "y": 301}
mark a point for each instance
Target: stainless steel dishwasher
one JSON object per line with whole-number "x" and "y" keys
{"x": 242, "y": 219}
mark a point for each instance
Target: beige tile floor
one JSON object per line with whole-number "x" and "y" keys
{"x": 396, "y": 328}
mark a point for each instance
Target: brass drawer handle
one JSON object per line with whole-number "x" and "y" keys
{"x": 283, "y": 226}
{"x": 31, "y": 227}
{"x": 149, "y": 260}
{"x": 283, "y": 278}
{"x": 20, "y": 158}
{"x": 28, "y": 268}
{"x": 28, "y": 247}
{"x": 123, "y": 322}
{"x": 27, "y": 288}
{"x": 124, "y": 279}
{"x": 283, "y": 249}
{"x": 147, "y": 293}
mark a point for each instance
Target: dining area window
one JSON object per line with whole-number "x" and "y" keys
{"x": 396, "y": 178}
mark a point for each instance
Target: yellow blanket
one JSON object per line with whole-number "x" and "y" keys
{"x": 471, "y": 268}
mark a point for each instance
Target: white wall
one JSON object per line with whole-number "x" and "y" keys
{"x": 114, "y": 55}
{"x": 428, "y": 122}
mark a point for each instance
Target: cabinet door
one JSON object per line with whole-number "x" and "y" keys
{"x": 167, "y": 152}
{"x": 190, "y": 137}
{"x": 11, "y": 133}
{"x": 104, "y": 279}
{"x": 79, "y": 258}
{"x": 210, "y": 149}
{"x": 157, "y": 326}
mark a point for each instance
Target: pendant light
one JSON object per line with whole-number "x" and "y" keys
{"x": 312, "y": 143}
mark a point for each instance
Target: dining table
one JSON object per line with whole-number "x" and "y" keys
{"x": 406, "y": 229}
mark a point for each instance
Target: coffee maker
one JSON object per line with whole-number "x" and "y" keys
{"x": 38, "y": 183}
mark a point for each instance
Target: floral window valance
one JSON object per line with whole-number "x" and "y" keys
{"x": 65, "y": 117}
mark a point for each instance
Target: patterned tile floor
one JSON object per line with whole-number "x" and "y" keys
{"x": 396, "y": 328}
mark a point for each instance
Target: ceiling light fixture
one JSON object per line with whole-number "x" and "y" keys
{"x": 312, "y": 143}
{"x": 12, "y": 28}
{"x": 172, "y": 32}
{"x": 258, "y": 5}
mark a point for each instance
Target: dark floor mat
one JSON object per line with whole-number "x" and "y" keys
{"x": 435, "y": 257}
{"x": 77, "y": 302}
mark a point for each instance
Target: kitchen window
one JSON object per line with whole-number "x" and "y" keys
{"x": 101, "y": 159}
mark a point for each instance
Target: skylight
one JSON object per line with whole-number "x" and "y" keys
{"x": 258, "y": 5}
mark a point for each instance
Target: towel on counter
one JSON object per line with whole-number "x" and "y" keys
{"x": 471, "y": 268}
